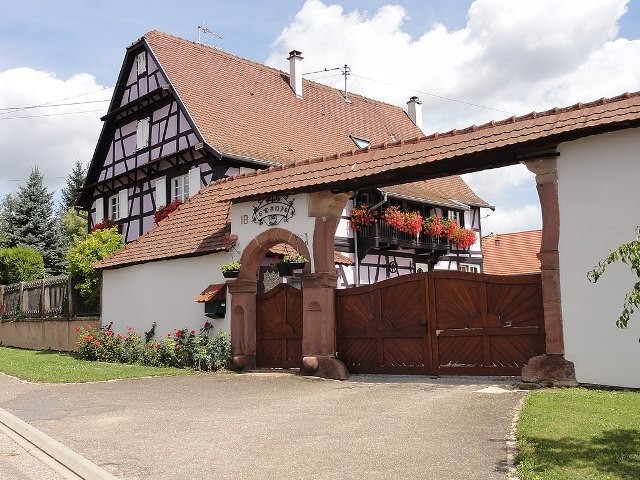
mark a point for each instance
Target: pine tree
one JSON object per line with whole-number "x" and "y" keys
{"x": 75, "y": 181}
{"x": 29, "y": 221}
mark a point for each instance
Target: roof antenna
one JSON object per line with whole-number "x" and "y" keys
{"x": 203, "y": 29}
{"x": 346, "y": 71}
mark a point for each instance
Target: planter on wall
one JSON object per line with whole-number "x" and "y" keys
{"x": 296, "y": 265}
{"x": 231, "y": 274}
{"x": 284, "y": 269}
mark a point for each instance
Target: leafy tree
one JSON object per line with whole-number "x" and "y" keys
{"x": 20, "y": 264}
{"x": 29, "y": 221}
{"x": 75, "y": 181}
{"x": 84, "y": 254}
{"x": 6, "y": 207}
{"x": 627, "y": 253}
{"x": 74, "y": 227}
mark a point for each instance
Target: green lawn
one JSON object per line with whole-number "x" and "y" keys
{"x": 579, "y": 434}
{"x": 56, "y": 367}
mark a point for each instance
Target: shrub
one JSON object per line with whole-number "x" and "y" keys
{"x": 181, "y": 348}
{"x": 96, "y": 246}
{"x": 20, "y": 264}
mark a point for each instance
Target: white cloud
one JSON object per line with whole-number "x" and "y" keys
{"x": 505, "y": 220}
{"x": 515, "y": 57}
{"x": 52, "y": 138}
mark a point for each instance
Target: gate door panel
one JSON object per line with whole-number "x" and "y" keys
{"x": 382, "y": 328}
{"x": 279, "y": 328}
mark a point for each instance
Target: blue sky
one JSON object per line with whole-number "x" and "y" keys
{"x": 489, "y": 58}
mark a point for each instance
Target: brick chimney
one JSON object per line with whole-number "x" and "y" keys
{"x": 295, "y": 72}
{"x": 414, "y": 110}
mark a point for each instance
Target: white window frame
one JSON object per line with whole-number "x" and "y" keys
{"x": 178, "y": 190}
{"x": 113, "y": 207}
{"x": 99, "y": 210}
{"x": 467, "y": 267}
{"x": 161, "y": 192}
{"x": 141, "y": 63}
{"x": 142, "y": 133}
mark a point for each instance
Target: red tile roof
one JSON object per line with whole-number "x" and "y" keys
{"x": 511, "y": 253}
{"x": 200, "y": 225}
{"x": 445, "y": 191}
{"x": 490, "y": 145}
{"x": 248, "y": 109}
{"x": 285, "y": 249}
{"x": 215, "y": 291}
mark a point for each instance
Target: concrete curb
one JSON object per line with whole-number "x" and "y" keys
{"x": 512, "y": 442}
{"x": 79, "y": 466}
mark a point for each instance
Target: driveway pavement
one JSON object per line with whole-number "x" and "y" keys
{"x": 268, "y": 426}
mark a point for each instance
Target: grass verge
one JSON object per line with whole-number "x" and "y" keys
{"x": 57, "y": 367}
{"x": 579, "y": 434}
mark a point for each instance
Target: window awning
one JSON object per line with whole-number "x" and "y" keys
{"x": 215, "y": 291}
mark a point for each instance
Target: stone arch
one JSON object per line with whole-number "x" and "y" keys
{"x": 255, "y": 251}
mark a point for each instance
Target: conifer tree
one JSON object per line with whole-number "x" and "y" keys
{"x": 30, "y": 221}
{"x": 75, "y": 181}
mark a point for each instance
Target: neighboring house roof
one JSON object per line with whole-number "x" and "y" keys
{"x": 511, "y": 253}
{"x": 493, "y": 144}
{"x": 446, "y": 191}
{"x": 285, "y": 249}
{"x": 247, "y": 109}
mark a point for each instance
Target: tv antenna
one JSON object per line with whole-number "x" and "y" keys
{"x": 203, "y": 29}
{"x": 346, "y": 71}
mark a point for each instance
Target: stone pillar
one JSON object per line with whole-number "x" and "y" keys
{"x": 243, "y": 323}
{"x": 319, "y": 291}
{"x": 551, "y": 368}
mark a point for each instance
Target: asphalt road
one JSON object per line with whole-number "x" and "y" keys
{"x": 266, "y": 426}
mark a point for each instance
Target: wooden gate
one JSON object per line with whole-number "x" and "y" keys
{"x": 382, "y": 327}
{"x": 448, "y": 323}
{"x": 279, "y": 328}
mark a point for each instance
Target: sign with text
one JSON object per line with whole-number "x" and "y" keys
{"x": 273, "y": 210}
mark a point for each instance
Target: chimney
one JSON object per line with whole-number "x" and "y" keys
{"x": 295, "y": 72}
{"x": 414, "y": 110}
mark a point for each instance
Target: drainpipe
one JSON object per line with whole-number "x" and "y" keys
{"x": 355, "y": 237}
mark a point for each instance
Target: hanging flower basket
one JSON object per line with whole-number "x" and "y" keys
{"x": 284, "y": 269}
{"x": 433, "y": 226}
{"x": 230, "y": 269}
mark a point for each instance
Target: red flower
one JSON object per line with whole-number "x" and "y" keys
{"x": 129, "y": 329}
{"x": 179, "y": 333}
{"x": 97, "y": 343}
{"x": 193, "y": 332}
{"x": 108, "y": 333}
{"x": 163, "y": 212}
{"x": 77, "y": 329}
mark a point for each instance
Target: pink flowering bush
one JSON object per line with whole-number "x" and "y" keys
{"x": 181, "y": 348}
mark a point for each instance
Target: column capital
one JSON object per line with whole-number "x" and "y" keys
{"x": 319, "y": 280}
{"x": 242, "y": 286}
{"x": 545, "y": 169}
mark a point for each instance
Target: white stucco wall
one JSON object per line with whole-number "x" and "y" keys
{"x": 299, "y": 223}
{"x": 163, "y": 292}
{"x": 599, "y": 198}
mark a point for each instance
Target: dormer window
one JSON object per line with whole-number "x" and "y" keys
{"x": 141, "y": 62}
{"x": 360, "y": 142}
{"x": 142, "y": 133}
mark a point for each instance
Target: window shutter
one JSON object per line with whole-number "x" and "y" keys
{"x": 142, "y": 133}
{"x": 99, "y": 210}
{"x": 141, "y": 62}
{"x": 124, "y": 204}
{"x": 161, "y": 192}
{"x": 194, "y": 181}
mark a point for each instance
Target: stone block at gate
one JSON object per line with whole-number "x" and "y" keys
{"x": 324, "y": 367}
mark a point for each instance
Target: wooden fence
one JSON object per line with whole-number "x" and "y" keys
{"x": 44, "y": 314}
{"x": 52, "y": 297}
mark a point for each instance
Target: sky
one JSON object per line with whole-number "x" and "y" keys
{"x": 469, "y": 62}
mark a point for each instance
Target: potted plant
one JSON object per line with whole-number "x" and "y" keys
{"x": 230, "y": 269}
{"x": 295, "y": 260}
{"x": 362, "y": 217}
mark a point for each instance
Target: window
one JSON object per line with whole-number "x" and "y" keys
{"x": 180, "y": 188}
{"x": 141, "y": 62}
{"x": 360, "y": 142}
{"x": 114, "y": 207}
{"x": 469, "y": 268}
{"x": 142, "y": 133}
